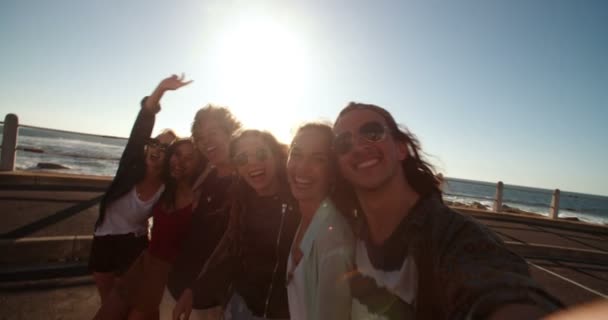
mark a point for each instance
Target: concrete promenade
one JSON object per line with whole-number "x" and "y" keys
{"x": 47, "y": 222}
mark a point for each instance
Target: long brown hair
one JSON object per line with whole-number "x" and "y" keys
{"x": 341, "y": 192}
{"x": 277, "y": 149}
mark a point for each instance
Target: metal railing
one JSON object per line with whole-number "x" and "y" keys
{"x": 9, "y": 145}
{"x": 9, "y": 148}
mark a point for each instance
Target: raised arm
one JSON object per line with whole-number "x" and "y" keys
{"x": 171, "y": 83}
{"x": 144, "y": 123}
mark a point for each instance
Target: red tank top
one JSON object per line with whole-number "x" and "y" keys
{"x": 168, "y": 231}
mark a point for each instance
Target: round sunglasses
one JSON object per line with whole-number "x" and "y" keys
{"x": 371, "y": 131}
{"x": 155, "y": 143}
{"x": 242, "y": 159}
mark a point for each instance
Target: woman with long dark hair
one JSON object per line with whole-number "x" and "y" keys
{"x": 321, "y": 255}
{"x": 140, "y": 292}
{"x": 121, "y": 231}
{"x": 253, "y": 252}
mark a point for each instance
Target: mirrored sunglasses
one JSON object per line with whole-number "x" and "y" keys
{"x": 372, "y": 131}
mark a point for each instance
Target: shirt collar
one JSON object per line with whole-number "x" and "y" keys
{"x": 319, "y": 222}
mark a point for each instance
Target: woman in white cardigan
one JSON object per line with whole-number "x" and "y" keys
{"x": 321, "y": 256}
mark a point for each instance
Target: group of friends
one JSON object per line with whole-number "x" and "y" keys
{"x": 346, "y": 222}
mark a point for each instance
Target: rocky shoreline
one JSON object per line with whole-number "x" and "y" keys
{"x": 505, "y": 209}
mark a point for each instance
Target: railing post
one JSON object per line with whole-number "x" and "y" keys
{"x": 9, "y": 142}
{"x": 555, "y": 204}
{"x": 498, "y": 197}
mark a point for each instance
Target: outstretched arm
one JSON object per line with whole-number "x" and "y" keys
{"x": 142, "y": 128}
{"x": 171, "y": 83}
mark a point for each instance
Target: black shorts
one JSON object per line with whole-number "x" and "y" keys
{"x": 115, "y": 253}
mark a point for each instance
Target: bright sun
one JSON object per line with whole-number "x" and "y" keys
{"x": 263, "y": 74}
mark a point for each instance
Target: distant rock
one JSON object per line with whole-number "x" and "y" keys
{"x": 506, "y": 208}
{"x": 478, "y": 205}
{"x": 52, "y": 166}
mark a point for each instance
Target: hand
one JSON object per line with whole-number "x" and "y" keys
{"x": 183, "y": 306}
{"x": 596, "y": 309}
{"x": 173, "y": 82}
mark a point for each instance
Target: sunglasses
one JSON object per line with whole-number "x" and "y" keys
{"x": 243, "y": 158}
{"x": 155, "y": 143}
{"x": 370, "y": 131}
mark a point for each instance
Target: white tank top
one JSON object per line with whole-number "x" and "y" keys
{"x": 128, "y": 214}
{"x": 296, "y": 291}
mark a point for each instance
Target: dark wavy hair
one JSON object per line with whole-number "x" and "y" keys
{"x": 419, "y": 174}
{"x": 278, "y": 150}
{"x": 168, "y": 197}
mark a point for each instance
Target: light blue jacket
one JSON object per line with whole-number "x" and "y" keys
{"x": 327, "y": 248}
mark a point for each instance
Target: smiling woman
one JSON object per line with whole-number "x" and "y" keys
{"x": 263, "y": 71}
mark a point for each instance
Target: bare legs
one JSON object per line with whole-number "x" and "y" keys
{"x": 104, "y": 281}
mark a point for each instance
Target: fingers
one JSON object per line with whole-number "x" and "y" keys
{"x": 181, "y": 80}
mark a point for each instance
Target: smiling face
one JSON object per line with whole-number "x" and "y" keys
{"x": 155, "y": 152}
{"x": 184, "y": 161}
{"x": 256, "y": 164}
{"x": 368, "y": 164}
{"x": 212, "y": 142}
{"x": 308, "y": 165}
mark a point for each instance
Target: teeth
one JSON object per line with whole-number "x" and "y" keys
{"x": 302, "y": 180}
{"x": 209, "y": 149}
{"x": 367, "y": 164}
{"x": 256, "y": 173}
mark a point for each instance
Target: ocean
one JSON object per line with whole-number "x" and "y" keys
{"x": 99, "y": 155}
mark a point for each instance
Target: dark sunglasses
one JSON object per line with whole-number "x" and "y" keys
{"x": 370, "y": 131}
{"x": 155, "y": 143}
{"x": 243, "y": 158}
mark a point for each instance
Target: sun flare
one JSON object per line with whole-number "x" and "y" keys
{"x": 263, "y": 73}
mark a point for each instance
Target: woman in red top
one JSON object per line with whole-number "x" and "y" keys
{"x": 138, "y": 296}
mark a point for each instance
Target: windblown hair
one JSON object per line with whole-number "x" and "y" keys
{"x": 168, "y": 197}
{"x": 418, "y": 173}
{"x": 221, "y": 115}
{"x": 277, "y": 149}
{"x": 242, "y": 196}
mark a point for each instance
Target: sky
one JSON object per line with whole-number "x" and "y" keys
{"x": 515, "y": 91}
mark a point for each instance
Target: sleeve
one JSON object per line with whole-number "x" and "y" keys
{"x": 333, "y": 288}
{"x": 478, "y": 274}
{"x": 141, "y": 131}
